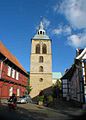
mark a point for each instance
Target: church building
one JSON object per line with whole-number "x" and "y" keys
{"x": 40, "y": 62}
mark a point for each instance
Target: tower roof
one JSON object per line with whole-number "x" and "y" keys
{"x": 41, "y": 26}
{"x": 41, "y": 33}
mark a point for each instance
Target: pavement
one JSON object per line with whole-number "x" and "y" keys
{"x": 59, "y": 111}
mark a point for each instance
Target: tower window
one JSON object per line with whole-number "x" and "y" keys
{"x": 41, "y": 79}
{"x": 44, "y": 49}
{"x": 40, "y": 32}
{"x": 37, "y": 49}
{"x": 40, "y": 59}
{"x": 41, "y": 69}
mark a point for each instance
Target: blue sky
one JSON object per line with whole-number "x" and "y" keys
{"x": 64, "y": 20}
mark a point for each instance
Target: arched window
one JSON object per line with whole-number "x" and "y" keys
{"x": 41, "y": 79}
{"x": 40, "y": 32}
{"x": 41, "y": 69}
{"x": 44, "y": 49}
{"x": 37, "y": 48}
{"x": 40, "y": 59}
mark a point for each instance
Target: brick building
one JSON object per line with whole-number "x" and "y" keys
{"x": 13, "y": 77}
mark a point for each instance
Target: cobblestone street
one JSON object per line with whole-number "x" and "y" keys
{"x": 36, "y": 112}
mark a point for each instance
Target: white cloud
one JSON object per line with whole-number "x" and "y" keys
{"x": 57, "y": 31}
{"x": 75, "y": 12}
{"x": 77, "y": 40}
{"x": 66, "y": 30}
{"x": 46, "y": 22}
{"x": 56, "y": 7}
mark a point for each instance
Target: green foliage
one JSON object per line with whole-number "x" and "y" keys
{"x": 50, "y": 98}
{"x": 57, "y": 89}
{"x": 28, "y": 89}
{"x": 41, "y": 98}
{"x": 58, "y": 84}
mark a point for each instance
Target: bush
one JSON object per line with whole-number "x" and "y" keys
{"x": 41, "y": 98}
{"x": 50, "y": 98}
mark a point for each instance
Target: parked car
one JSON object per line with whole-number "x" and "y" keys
{"x": 24, "y": 99}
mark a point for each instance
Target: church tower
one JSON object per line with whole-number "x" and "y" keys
{"x": 40, "y": 62}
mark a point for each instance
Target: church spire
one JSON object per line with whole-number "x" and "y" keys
{"x": 41, "y": 25}
{"x": 41, "y": 33}
{"x": 41, "y": 30}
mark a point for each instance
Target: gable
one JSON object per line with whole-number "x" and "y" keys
{"x": 82, "y": 55}
{"x": 4, "y": 51}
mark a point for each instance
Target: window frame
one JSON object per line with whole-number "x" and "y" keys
{"x": 41, "y": 59}
{"x": 44, "y": 49}
{"x": 37, "y": 51}
{"x": 41, "y": 69}
{"x": 41, "y": 80}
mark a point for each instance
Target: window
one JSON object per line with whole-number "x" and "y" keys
{"x": 41, "y": 79}
{"x": 40, "y": 59}
{"x": 9, "y": 71}
{"x": 41, "y": 69}
{"x": 13, "y": 73}
{"x": 10, "y": 91}
{"x": 40, "y": 32}
{"x": 18, "y": 92}
{"x": 37, "y": 48}
{"x": 17, "y": 75}
{"x": 44, "y": 49}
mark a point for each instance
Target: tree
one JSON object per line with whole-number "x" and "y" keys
{"x": 28, "y": 89}
{"x": 57, "y": 89}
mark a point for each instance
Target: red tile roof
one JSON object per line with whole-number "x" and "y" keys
{"x": 9, "y": 56}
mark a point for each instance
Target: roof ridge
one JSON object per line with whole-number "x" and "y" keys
{"x": 10, "y": 56}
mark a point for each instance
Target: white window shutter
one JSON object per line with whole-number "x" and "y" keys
{"x": 9, "y": 71}
{"x": 13, "y": 73}
{"x": 10, "y": 91}
{"x": 17, "y": 75}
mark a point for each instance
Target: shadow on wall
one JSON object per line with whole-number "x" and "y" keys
{"x": 46, "y": 92}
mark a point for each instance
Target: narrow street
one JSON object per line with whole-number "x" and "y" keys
{"x": 36, "y": 112}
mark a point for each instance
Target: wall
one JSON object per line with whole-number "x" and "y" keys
{"x": 8, "y": 82}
